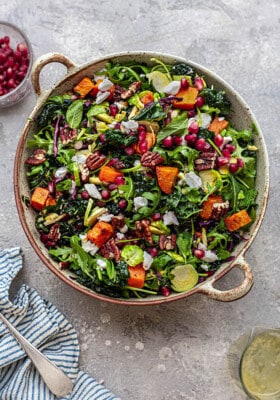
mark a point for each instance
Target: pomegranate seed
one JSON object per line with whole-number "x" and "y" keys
{"x": 233, "y": 168}
{"x": 2, "y": 79}
{"x": 199, "y": 253}
{"x": 190, "y": 139}
{"x": 191, "y": 113}
{"x": 198, "y": 83}
{"x": 153, "y": 252}
{"x": 226, "y": 153}
{"x": 167, "y": 120}
{"x": 177, "y": 140}
{"x": 129, "y": 150}
{"x": 112, "y": 186}
{"x": 143, "y": 146}
{"x": 168, "y": 142}
{"x": 119, "y": 180}
{"x": 200, "y": 144}
{"x": 165, "y": 290}
{"x": 141, "y": 128}
{"x": 9, "y": 73}
{"x": 102, "y": 138}
{"x": 122, "y": 203}
{"x": 113, "y": 110}
{"x": 207, "y": 147}
{"x": 222, "y": 161}
{"x": 84, "y": 195}
{"x": 11, "y": 83}
{"x": 230, "y": 147}
{"x": 218, "y": 140}
{"x": 105, "y": 194}
{"x": 194, "y": 127}
{"x": 142, "y": 136}
{"x": 199, "y": 101}
{"x": 157, "y": 217}
{"x": 184, "y": 83}
{"x": 240, "y": 163}
{"x": 23, "y": 49}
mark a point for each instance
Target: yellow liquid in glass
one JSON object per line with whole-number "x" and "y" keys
{"x": 260, "y": 366}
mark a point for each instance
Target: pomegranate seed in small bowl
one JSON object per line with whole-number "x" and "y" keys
{"x": 16, "y": 59}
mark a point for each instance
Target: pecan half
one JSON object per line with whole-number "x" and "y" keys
{"x": 205, "y": 161}
{"x": 219, "y": 210}
{"x": 52, "y": 237}
{"x": 67, "y": 135}
{"x": 143, "y": 230}
{"x": 38, "y": 157}
{"x": 167, "y": 242}
{"x": 151, "y": 159}
{"x": 117, "y": 93}
{"x": 95, "y": 160}
{"x": 132, "y": 89}
{"x": 110, "y": 250}
{"x": 118, "y": 222}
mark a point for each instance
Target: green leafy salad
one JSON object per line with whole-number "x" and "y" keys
{"x": 140, "y": 183}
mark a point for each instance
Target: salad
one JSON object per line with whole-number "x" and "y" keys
{"x": 140, "y": 183}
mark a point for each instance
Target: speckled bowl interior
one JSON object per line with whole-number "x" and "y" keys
{"x": 241, "y": 117}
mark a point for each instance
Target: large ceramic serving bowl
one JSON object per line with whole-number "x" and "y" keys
{"x": 241, "y": 118}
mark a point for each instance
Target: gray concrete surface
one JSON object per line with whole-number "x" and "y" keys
{"x": 177, "y": 351}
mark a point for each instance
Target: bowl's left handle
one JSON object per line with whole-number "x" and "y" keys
{"x": 40, "y": 63}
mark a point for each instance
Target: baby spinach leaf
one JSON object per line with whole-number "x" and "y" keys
{"x": 74, "y": 114}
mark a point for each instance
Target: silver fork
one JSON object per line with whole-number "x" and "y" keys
{"x": 55, "y": 379}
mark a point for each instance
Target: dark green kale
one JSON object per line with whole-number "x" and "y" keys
{"x": 51, "y": 110}
{"x": 183, "y": 69}
{"x": 116, "y": 137}
{"x": 216, "y": 99}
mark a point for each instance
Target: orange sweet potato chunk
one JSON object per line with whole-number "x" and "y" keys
{"x": 217, "y": 125}
{"x": 100, "y": 233}
{"x": 137, "y": 276}
{"x": 207, "y": 206}
{"x": 188, "y": 96}
{"x": 39, "y": 198}
{"x": 237, "y": 220}
{"x": 84, "y": 86}
{"x": 166, "y": 177}
{"x": 108, "y": 174}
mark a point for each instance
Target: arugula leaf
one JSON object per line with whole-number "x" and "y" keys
{"x": 178, "y": 126}
{"x": 74, "y": 114}
{"x": 152, "y": 112}
{"x": 184, "y": 243}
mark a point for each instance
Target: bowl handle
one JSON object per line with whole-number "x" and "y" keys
{"x": 231, "y": 294}
{"x": 44, "y": 60}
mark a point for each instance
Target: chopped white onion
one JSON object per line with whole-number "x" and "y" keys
{"x": 172, "y": 88}
{"x": 89, "y": 247}
{"x": 101, "y": 96}
{"x": 106, "y": 84}
{"x": 93, "y": 191}
{"x": 130, "y": 125}
{"x": 147, "y": 261}
{"x": 140, "y": 202}
{"x": 61, "y": 172}
{"x": 193, "y": 180}
{"x": 169, "y": 218}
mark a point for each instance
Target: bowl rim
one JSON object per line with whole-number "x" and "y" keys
{"x": 30, "y": 66}
{"x": 150, "y": 300}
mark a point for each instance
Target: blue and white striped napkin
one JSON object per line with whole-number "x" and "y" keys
{"x": 48, "y": 330}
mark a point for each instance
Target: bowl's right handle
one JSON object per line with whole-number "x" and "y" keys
{"x": 231, "y": 294}
{"x": 40, "y": 63}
